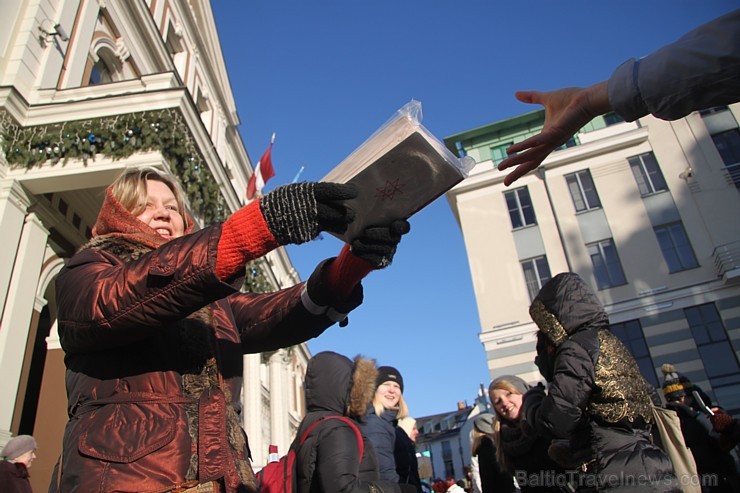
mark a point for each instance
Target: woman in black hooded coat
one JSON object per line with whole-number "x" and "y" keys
{"x": 597, "y": 397}
{"x": 329, "y": 460}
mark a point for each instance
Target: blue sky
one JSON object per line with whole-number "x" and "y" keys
{"x": 325, "y": 74}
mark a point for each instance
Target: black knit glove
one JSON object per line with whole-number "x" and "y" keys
{"x": 298, "y": 212}
{"x": 378, "y": 244}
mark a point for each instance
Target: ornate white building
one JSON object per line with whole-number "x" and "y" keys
{"x": 87, "y": 89}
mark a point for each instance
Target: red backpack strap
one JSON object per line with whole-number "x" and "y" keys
{"x": 348, "y": 421}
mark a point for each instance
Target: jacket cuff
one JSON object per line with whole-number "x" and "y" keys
{"x": 624, "y": 91}
{"x": 244, "y": 237}
{"x": 320, "y": 299}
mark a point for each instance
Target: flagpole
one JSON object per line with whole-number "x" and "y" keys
{"x": 297, "y": 175}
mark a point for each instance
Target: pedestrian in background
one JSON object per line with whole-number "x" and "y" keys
{"x": 487, "y": 475}
{"x": 383, "y": 413}
{"x": 597, "y": 399}
{"x": 16, "y": 458}
{"x": 520, "y": 450}
{"x": 711, "y": 460}
{"x": 329, "y": 459}
{"x": 404, "y": 453}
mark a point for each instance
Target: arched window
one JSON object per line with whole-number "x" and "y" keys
{"x": 100, "y": 73}
{"x": 104, "y": 64}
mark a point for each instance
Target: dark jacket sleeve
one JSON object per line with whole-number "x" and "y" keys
{"x": 271, "y": 321}
{"x": 562, "y": 410}
{"x": 104, "y": 302}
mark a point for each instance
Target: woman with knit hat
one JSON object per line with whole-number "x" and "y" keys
{"x": 712, "y": 461}
{"x": 17, "y": 456}
{"x": 386, "y": 408}
{"x": 519, "y": 449}
{"x": 154, "y": 328}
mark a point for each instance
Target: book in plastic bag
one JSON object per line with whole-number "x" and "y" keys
{"x": 399, "y": 170}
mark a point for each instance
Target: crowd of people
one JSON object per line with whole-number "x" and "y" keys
{"x": 168, "y": 420}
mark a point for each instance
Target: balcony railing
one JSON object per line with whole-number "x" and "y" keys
{"x": 727, "y": 259}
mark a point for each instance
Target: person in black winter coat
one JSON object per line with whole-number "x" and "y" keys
{"x": 520, "y": 450}
{"x": 407, "y": 466}
{"x": 487, "y": 476}
{"x": 329, "y": 460}
{"x": 597, "y": 398}
{"x": 712, "y": 462}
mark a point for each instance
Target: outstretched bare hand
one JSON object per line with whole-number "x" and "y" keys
{"x": 566, "y": 111}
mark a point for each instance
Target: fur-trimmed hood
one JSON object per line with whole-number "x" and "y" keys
{"x": 566, "y": 305}
{"x": 337, "y": 384}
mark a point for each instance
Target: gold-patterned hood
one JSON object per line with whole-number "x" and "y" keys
{"x": 566, "y": 306}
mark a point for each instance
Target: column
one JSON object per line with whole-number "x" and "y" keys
{"x": 278, "y": 401}
{"x": 252, "y": 408}
{"x": 14, "y": 204}
{"x": 18, "y": 311}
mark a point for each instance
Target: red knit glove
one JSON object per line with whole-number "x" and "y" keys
{"x": 720, "y": 421}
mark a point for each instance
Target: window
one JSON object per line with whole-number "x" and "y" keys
{"x": 520, "y": 208}
{"x": 728, "y": 145}
{"x": 675, "y": 246}
{"x": 713, "y": 110}
{"x": 612, "y": 119}
{"x": 536, "y": 274}
{"x": 572, "y": 142}
{"x": 498, "y": 153}
{"x": 647, "y": 174}
{"x": 632, "y": 336}
{"x": 607, "y": 267}
{"x": 447, "y": 459}
{"x": 582, "y": 191}
{"x": 717, "y": 354}
{"x": 100, "y": 74}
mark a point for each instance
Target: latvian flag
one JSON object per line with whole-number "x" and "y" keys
{"x": 262, "y": 172}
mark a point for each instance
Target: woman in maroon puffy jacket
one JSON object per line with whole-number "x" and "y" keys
{"x": 154, "y": 327}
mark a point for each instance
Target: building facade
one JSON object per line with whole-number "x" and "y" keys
{"x": 648, "y": 213}
{"x": 89, "y": 88}
{"x": 444, "y": 442}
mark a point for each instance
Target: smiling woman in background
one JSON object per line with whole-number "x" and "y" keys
{"x": 383, "y": 414}
{"x": 519, "y": 449}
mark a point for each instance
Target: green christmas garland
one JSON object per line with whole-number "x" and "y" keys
{"x": 118, "y": 137}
